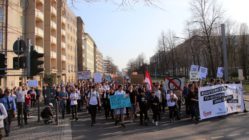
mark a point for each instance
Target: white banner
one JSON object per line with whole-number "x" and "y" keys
{"x": 220, "y": 100}
{"x": 84, "y": 75}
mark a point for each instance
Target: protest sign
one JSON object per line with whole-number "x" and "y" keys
{"x": 194, "y": 76}
{"x": 108, "y": 78}
{"x": 240, "y": 74}
{"x": 120, "y": 101}
{"x": 173, "y": 83}
{"x": 203, "y": 72}
{"x": 137, "y": 79}
{"x": 194, "y": 68}
{"x": 97, "y": 77}
{"x": 220, "y": 72}
{"x": 220, "y": 100}
{"x": 84, "y": 75}
{"x": 32, "y": 83}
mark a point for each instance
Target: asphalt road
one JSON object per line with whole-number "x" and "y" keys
{"x": 234, "y": 126}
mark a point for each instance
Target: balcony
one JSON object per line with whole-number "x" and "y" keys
{"x": 39, "y": 15}
{"x": 63, "y": 57}
{"x": 53, "y": 11}
{"x": 53, "y": 25}
{"x": 63, "y": 32}
{"x": 63, "y": 45}
{"x": 39, "y": 49}
{"x": 63, "y": 19}
{"x": 39, "y": 32}
{"x": 40, "y": 2}
{"x": 53, "y": 40}
{"x": 53, "y": 55}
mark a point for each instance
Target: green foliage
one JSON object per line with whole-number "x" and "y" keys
{"x": 48, "y": 79}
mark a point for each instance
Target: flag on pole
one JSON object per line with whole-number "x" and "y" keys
{"x": 148, "y": 80}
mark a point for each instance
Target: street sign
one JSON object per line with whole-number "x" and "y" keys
{"x": 19, "y": 47}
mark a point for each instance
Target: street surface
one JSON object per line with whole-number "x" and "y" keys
{"x": 231, "y": 127}
{"x": 234, "y": 126}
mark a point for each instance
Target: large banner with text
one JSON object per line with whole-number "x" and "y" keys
{"x": 220, "y": 100}
{"x": 120, "y": 101}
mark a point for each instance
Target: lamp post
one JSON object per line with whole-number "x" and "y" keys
{"x": 224, "y": 51}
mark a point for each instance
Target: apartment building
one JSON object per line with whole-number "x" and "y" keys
{"x": 14, "y": 30}
{"x": 99, "y": 62}
{"x": 71, "y": 43}
{"x": 80, "y": 44}
{"x": 89, "y": 53}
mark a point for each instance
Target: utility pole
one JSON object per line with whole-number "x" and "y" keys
{"x": 6, "y": 36}
{"x": 223, "y": 33}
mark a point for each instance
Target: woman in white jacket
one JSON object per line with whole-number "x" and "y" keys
{"x": 3, "y": 115}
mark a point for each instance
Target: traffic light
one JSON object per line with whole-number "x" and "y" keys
{"x": 35, "y": 62}
{"x": 19, "y": 62}
{"x": 3, "y": 65}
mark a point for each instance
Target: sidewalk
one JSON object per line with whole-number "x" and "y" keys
{"x": 39, "y": 131}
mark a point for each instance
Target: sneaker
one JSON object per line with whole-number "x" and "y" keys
{"x": 156, "y": 124}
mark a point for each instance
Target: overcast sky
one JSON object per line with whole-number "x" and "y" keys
{"x": 124, "y": 33}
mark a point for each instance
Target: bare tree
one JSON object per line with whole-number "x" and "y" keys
{"x": 244, "y": 47}
{"x": 206, "y": 13}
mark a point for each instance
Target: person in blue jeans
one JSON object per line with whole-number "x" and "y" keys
{"x": 63, "y": 96}
{"x": 10, "y": 106}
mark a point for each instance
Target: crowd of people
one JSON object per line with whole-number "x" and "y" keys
{"x": 147, "y": 104}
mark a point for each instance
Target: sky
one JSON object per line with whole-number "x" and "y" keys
{"x": 124, "y": 33}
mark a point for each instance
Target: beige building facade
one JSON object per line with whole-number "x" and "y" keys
{"x": 99, "y": 62}
{"x": 89, "y": 53}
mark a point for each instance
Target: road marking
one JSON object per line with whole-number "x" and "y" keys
{"x": 232, "y": 135}
{"x": 217, "y": 137}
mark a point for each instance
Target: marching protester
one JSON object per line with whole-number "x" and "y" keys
{"x": 155, "y": 105}
{"x": 120, "y": 112}
{"x": 159, "y": 95}
{"x": 63, "y": 96}
{"x": 3, "y": 115}
{"x": 185, "y": 93}
{"x": 133, "y": 98}
{"x": 74, "y": 96}
{"x": 93, "y": 102}
{"x": 10, "y": 106}
{"x": 106, "y": 100}
{"x": 47, "y": 114}
{"x": 21, "y": 94}
{"x": 143, "y": 102}
{"x": 171, "y": 101}
{"x": 193, "y": 98}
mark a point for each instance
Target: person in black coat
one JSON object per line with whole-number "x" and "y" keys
{"x": 155, "y": 108}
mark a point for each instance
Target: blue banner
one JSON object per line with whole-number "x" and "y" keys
{"x": 120, "y": 101}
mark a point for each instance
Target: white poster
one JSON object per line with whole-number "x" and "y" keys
{"x": 194, "y": 76}
{"x": 241, "y": 75}
{"x": 220, "y": 100}
{"x": 220, "y": 72}
{"x": 194, "y": 68}
{"x": 173, "y": 83}
{"x": 203, "y": 72}
{"x": 32, "y": 83}
{"x": 97, "y": 77}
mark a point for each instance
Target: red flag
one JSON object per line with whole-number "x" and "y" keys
{"x": 148, "y": 80}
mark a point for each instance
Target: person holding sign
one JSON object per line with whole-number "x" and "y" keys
{"x": 120, "y": 112}
{"x": 93, "y": 102}
{"x": 193, "y": 98}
